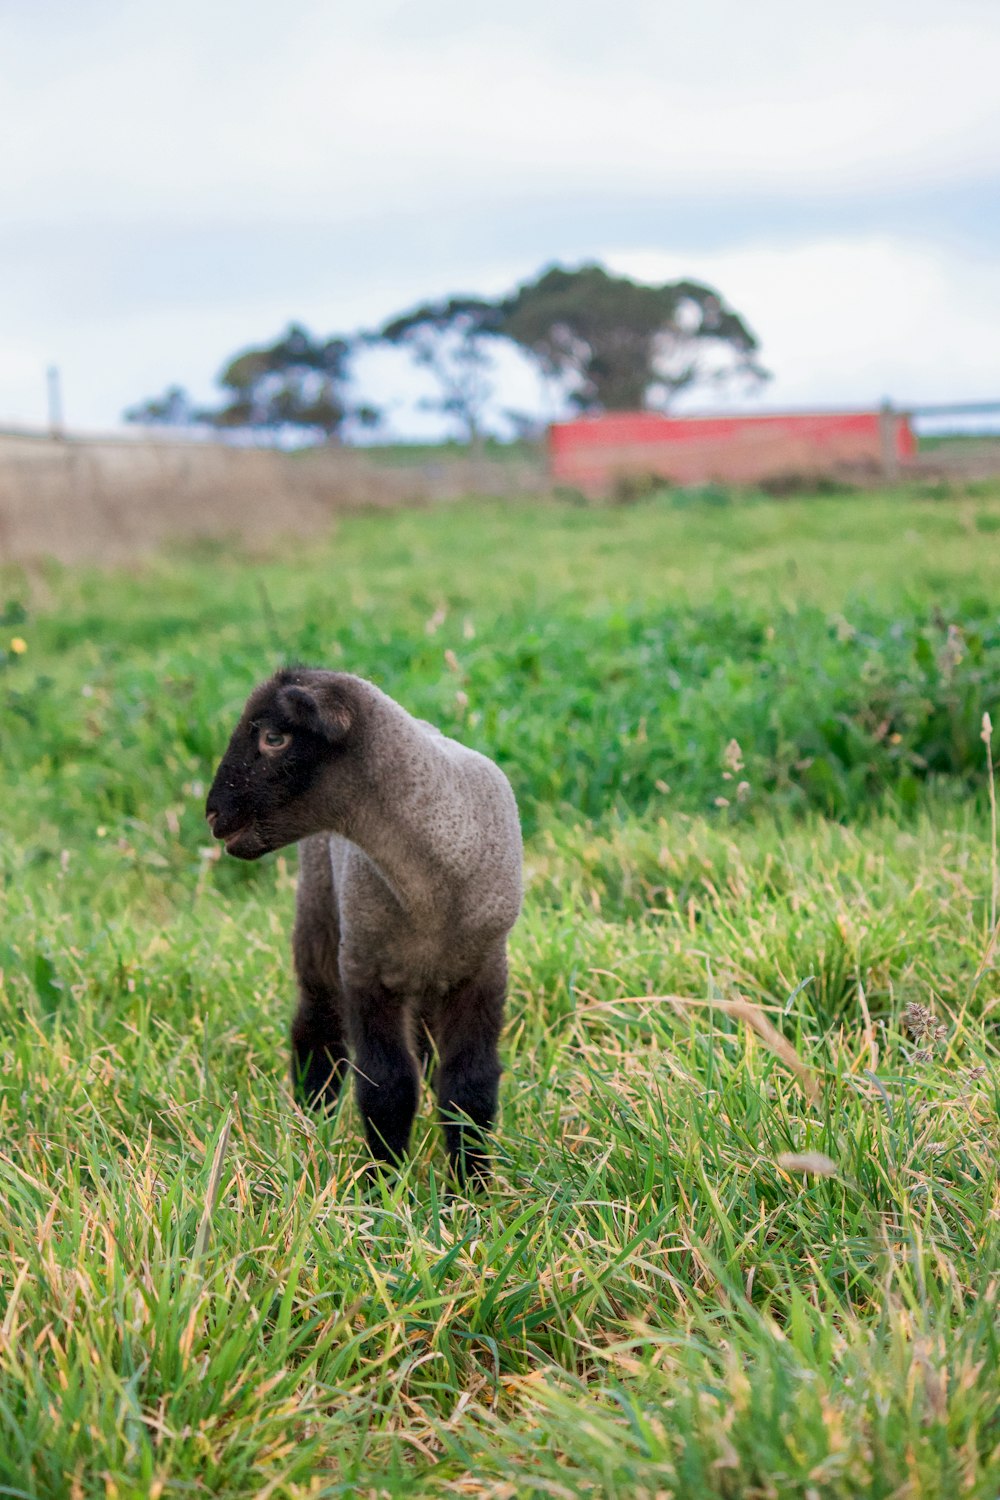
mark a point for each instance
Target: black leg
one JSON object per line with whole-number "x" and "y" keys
{"x": 468, "y": 1078}
{"x": 319, "y": 1046}
{"x": 387, "y": 1080}
{"x": 319, "y": 1053}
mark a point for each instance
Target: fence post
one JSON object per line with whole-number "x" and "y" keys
{"x": 888, "y": 434}
{"x": 55, "y": 402}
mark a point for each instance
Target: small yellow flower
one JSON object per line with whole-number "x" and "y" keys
{"x": 18, "y": 646}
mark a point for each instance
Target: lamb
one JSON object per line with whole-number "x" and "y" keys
{"x": 409, "y": 883}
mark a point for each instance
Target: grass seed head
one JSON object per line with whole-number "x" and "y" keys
{"x": 919, "y": 1023}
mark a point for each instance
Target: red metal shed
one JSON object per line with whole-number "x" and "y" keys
{"x": 592, "y": 453}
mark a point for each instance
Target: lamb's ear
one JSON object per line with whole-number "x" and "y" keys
{"x": 323, "y": 710}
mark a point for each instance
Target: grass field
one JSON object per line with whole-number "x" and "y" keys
{"x": 718, "y": 1259}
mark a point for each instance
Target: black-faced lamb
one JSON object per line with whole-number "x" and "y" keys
{"x": 409, "y": 882}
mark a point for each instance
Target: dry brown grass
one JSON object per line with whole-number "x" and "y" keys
{"x": 106, "y": 500}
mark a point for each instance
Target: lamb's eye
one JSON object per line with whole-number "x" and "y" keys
{"x": 273, "y": 739}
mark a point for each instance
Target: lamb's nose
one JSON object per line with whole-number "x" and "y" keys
{"x": 210, "y": 818}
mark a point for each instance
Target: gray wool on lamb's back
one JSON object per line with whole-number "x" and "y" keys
{"x": 410, "y": 881}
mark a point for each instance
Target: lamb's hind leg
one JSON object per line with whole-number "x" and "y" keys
{"x": 319, "y": 1047}
{"x": 468, "y": 1077}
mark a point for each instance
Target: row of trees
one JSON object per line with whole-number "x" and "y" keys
{"x": 605, "y": 342}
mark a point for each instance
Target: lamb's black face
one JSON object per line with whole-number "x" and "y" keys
{"x": 267, "y": 767}
{"x": 288, "y": 732}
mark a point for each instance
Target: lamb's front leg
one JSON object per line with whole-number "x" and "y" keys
{"x": 387, "y": 1079}
{"x": 319, "y": 1047}
{"x": 468, "y": 1078}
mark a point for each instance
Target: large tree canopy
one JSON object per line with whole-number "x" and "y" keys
{"x": 451, "y": 339}
{"x": 620, "y": 345}
{"x": 610, "y": 344}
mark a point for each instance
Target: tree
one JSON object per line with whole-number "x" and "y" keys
{"x": 172, "y": 409}
{"x": 297, "y": 381}
{"x": 452, "y": 341}
{"x": 620, "y": 345}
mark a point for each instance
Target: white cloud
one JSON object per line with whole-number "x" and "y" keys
{"x": 121, "y": 112}
{"x": 853, "y": 320}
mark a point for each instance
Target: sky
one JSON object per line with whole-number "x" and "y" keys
{"x": 177, "y": 182}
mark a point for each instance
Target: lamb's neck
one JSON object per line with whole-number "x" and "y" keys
{"x": 398, "y": 811}
{"x": 405, "y": 859}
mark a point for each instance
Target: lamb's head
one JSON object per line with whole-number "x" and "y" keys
{"x": 267, "y": 790}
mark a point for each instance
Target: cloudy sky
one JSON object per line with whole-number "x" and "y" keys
{"x": 178, "y": 181}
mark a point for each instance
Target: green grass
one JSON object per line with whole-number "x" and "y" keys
{"x": 402, "y": 455}
{"x": 202, "y": 1291}
{"x": 929, "y": 442}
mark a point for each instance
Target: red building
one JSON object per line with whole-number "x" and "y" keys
{"x": 594, "y": 453}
